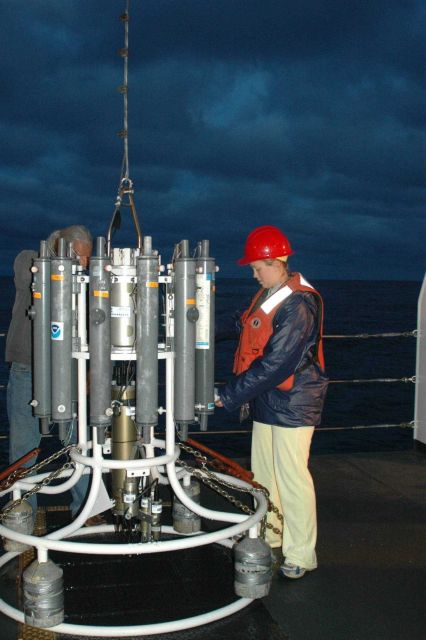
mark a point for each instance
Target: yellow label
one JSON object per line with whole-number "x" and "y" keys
{"x": 101, "y": 294}
{"x": 190, "y": 301}
{"x": 153, "y": 285}
{"x": 36, "y": 294}
{"x": 56, "y": 276}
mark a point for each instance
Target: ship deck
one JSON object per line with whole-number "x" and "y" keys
{"x": 371, "y": 579}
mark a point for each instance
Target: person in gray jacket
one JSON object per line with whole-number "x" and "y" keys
{"x": 24, "y": 434}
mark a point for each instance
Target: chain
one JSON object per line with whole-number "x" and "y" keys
{"x": 22, "y": 473}
{"x": 11, "y": 479}
{"x": 216, "y": 484}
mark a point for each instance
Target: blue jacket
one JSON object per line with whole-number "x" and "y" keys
{"x": 296, "y": 327}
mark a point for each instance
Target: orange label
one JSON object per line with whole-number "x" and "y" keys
{"x": 56, "y": 276}
{"x": 36, "y": 294}
{"x": 101, "y": 294}
{"x": 190, "y": 301}
{"x": 153, "y": 285}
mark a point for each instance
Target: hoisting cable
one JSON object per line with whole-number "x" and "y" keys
{"x": 125, "y": 187}
{"x": 124, "y": 89}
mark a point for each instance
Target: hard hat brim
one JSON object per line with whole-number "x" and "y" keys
{"x": 244, "y": 261}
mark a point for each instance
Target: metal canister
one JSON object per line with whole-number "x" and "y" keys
{"x": 19, "y": 519}
{"x": 185, "y": 520}
{"x": 253, "y": 572}
{"x": 204, "y": 337}
{"x": 43, "y": 594}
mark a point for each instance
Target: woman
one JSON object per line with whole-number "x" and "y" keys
{"x": 279, "y": 369}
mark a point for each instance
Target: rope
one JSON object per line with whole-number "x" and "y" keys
{"x": 362, "y": 380}
{"x": 362, "y": 336}
{"x": 239, "y": 432}
{"x": 405, "y": 380}
{"x": 400, "y": 425}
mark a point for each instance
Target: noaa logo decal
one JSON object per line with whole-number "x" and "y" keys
{"x": 57, "y": 330}
{"x": 256, "y": 322}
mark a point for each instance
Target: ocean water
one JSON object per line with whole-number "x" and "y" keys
{"x": 351, "y": 307}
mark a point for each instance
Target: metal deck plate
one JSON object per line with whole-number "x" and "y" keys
{"x": 147, "y": 589}
{"x": 159, "y": 587}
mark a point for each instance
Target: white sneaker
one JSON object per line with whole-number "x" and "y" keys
{"x": 289, "y": 570}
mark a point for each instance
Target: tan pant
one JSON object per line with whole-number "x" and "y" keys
{"x": 279, "y": 460}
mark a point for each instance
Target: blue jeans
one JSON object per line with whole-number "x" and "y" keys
{"x": 24, "y": 433}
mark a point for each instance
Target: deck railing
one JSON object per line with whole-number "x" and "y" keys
{"x": 418, "y": 424}
{"x": 411, "y": 379}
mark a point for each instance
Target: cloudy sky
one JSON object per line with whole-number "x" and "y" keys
{"x": 308, "y": 115}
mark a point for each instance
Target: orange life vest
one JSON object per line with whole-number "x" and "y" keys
{"x": 257, "y": 327}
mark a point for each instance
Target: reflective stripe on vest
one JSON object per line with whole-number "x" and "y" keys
{"x": 257, "y": 327}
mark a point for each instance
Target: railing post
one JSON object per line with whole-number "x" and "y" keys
{"x": 420, "y": 395}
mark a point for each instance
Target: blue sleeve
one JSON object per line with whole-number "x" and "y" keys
{"x": 294, "y": 332}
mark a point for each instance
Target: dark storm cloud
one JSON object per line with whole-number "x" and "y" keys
{"x": 247, "y": 29}
{"x": 307, "y": 115}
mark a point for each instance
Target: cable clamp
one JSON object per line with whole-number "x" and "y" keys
{"x": 128, "y": 188}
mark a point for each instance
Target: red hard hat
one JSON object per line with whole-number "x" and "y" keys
{"x": 265, "y": 243}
